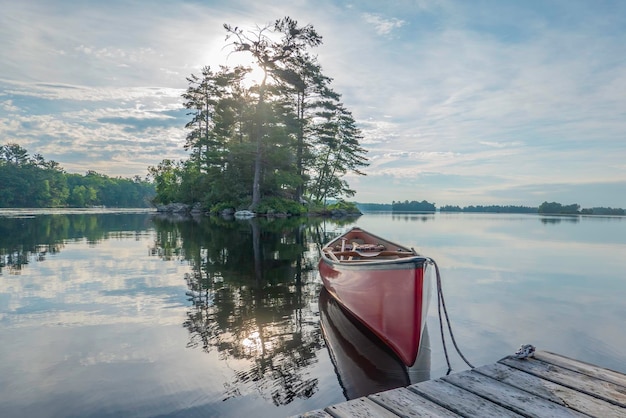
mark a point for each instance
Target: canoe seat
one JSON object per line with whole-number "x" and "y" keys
{"x": 355, "y": 246}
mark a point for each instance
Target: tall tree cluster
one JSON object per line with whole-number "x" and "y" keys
{"x": 287, "y": 135}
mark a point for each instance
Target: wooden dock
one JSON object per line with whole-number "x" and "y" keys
{"x": 549, "y": 385}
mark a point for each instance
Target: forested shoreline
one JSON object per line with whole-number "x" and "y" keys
{"x": 32, "y": 182}
{"x": 552, "y": 208}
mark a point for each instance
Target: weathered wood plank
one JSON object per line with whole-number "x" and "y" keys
{"x": 459, "y": 400}
{"x": 582, "y": 367}
{"x": 320, "y": 413}
{"x": 407, "y": 403}
{"x": 359, "y": 408}
{"x": 547, "y": 385}
{"x": 608, "y": 391}
{"x": 509, "y": 397}
{"x": 552, "y": 391}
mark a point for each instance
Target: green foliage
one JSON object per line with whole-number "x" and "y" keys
{"x": 350, "y": 207}
{"x": 338, "y": 209}
{"x": 337, "y": 152}
{"x": 286, "y": 136}
{"x": 450, "y": 208}
{"x": 219, "y": 207}
{"x": 277, "y": 205}
{"x": 167, "y": 178}
{"x": 374, "y": 207}
{"x": 34, "y": 182}
{"x": 82, "y": 196}
{"x": 604, "y": 211}
{"x": 557, "y": 208}
{"x": 413, "y": 206}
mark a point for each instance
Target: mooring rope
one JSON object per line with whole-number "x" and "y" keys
{"x": 441, "y": 303}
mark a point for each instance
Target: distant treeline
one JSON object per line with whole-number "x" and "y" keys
{"x": 489, "y": 209}
{"x": 574, "y": 209}
{"x": 374, "y": 207}
{"x": 33, "y": 182}
{"x": 405, "y": 206}
{"x": 603, "y": 211}
{"x": 413, "y": 206}
{"x": 544, "y": 208}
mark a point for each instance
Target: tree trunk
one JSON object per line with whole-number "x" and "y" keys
{"x": 256, "y": 183}
{"x": 300, "y": 147}
{"x": 258, "y": 132}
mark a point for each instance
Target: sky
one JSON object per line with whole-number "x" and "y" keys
{"x": 479, "y": 102}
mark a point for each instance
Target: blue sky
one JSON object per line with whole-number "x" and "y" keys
{"x": 460, "y": 102}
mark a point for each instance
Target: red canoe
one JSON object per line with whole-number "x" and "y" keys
{"x": 384, "y": 285}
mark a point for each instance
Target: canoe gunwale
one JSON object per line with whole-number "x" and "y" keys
{"x": 394, "y": 264}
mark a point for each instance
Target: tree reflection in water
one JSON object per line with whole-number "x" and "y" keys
{"x": 28, "y": 238}
{"x": 252, "y": 287}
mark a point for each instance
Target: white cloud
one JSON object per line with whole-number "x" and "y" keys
{"x": 383, "y": 26}
{"x": 500, "y": 144}
{"x": 8, "y": 106}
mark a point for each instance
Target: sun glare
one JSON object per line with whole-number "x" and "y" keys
{"x": 252, "y": 342}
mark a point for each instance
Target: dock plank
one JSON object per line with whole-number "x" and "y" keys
{"x": 582, "y": 367}
{"x": 360, "y": 408}
{"x": 320, "y": 413}
{"x": 551, "y": 391}
{"x": 592, "y": 386}
{"x": 406, "y": 403}
{"x": 510, "y": 397}
{"x": 548, "y": 385}
{"x": 459, "y": 400}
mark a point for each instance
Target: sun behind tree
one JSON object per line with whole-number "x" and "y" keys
{"x": 286, "y": 137}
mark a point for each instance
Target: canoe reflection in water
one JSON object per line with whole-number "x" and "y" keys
{"x": 364, "y": 364}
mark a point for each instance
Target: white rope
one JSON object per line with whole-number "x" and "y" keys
{"x": 441, "y": 303}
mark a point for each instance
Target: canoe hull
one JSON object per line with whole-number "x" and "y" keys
{"x": 364, "y": 364}
{"x": 391, "y": 299}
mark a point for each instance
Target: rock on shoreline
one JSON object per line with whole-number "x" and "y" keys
{"x": 180, "y": 208}
{"x": 196, "y": 209}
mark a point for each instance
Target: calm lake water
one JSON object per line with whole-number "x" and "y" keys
{"x": 128, "y": 314}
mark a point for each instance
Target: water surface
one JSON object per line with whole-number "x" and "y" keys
{"x": 128, "y": 314}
